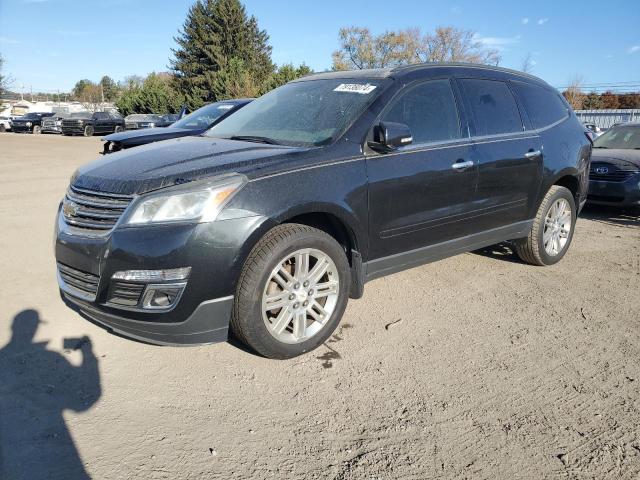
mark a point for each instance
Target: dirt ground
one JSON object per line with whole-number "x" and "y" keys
{"x": 477, "y": 366}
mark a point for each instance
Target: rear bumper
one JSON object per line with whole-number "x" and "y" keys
{"x": 620, "y": 194}
{"x": 209, "y": 323}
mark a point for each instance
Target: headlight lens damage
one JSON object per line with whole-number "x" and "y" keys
{"x": 187, "y": 203}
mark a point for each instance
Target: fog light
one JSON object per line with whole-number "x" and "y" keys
{"x": 162, "y": 297}
{"x": 153, "y": 275}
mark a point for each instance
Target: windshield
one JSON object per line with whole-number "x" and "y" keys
{"x": 80, "y": 115}
{"x": 139, "y": 117}
{"x": 307, "y": 113}
{"x": 627, "y": 138}
{"x": 203, "y": 117}
{"x": 32, "y": 116}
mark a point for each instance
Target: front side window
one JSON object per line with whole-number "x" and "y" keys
{"x": 625, "y": 138}
{"x": 303, "y": 113}
{"x": 493, "y": 107}
{"x": 543, "y": 106}
{"x": 429, "y": 110}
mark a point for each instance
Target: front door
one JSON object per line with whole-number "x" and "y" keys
{"x": 421, "y": 194}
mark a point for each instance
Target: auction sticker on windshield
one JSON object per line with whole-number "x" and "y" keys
{"x": 355, "y": 88}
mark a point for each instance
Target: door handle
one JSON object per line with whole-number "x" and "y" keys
{"x": 462, "y": 165}
{"x": 532, "y": 154}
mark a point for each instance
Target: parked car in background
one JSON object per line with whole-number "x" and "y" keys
{"x": 144, "y": 120}
{"x": 171, "y": 118}
{"x": 614, "y": 177}
{"x": 5, "y": 124}
{"x": 271, "y": 220}
{"x": 53, "y": 124}
{"x": 29, "y": 123}
{"x": 596, "y": 130}
{"x": 88, "y": 124}
{"x": 193, "y": 124}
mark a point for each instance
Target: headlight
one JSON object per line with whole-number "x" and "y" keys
{"x": 200, "y": 202}
{"x": 59, "y": 123}
{"x": 28, "y": 124}
{"x": 151, "y": 125}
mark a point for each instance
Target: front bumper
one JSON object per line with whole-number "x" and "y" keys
{"x": 214, "y": 251}
{"x": 20, "y": 128}
{"x": 619, "y": 194}
{"x": 207, "y": 324}
{"x": 51, "y": 129}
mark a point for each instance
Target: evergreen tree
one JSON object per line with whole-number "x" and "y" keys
{"x": 592, "y": 102}
{"x": 284, "y": 74}
{"x": 221, "y": 53}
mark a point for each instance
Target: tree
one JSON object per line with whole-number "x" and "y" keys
{"x": 109, "y": 88}
{"x": 629, "y": 100}
{"x": 5, "y": 80}
{"x": 527, "y": 64}
{"x": 90, "y": 96}
{"x": 574, "y": 95}
{"x": 155, "y": 94}
{"x": 610, "y": 100}
{"x": 284, "y": 74}
{"x": 79, "y": 87}
{"x": 360, "y": 49}
{"x": 592, "y": 102}
{"x": 218, "y": 42}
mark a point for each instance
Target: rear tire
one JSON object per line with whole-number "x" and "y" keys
{"x": 2, "y": 128}
{"x": 281, "y": 270}
{"x": 88, "y": 131}
{"x": 552, "y": 229}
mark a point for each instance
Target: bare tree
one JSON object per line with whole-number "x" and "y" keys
{"x": 5, "y": 80}
{"x": 574, "y": 94}
{"x": 527, "y": 64}
{"x": 360, "y": 49}
{"x": 450, "y": 44}
{"x": 91, "y": 97}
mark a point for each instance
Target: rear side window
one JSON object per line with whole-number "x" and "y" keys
{"x": 429, "y": 110}
{"x": 543, "y": 106}
{"x": 493, "y": 107}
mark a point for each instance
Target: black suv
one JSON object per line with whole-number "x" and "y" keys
{"x": 89, "y": 124}
{"x": 29, "y": 123}
{"x": 272, "y": 219}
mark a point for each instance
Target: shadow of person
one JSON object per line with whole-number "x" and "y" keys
{"x": 36, "y": 386}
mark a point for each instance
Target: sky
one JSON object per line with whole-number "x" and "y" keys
{"x": 50, "y": 44}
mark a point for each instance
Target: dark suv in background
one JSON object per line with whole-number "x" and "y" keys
{"x": 29, "y": 123}
{"x": 195, "y": 123}
{"x": 88, "y": 124}
{"x": 273, "y": 219}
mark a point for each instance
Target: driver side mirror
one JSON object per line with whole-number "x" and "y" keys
{"x": 389, "y": 136}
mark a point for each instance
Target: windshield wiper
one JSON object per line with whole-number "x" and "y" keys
{"x": 254, "y": 138}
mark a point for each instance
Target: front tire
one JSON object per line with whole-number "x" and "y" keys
{"x": 37, "y": 130}
{"x": 552, "y": 229}
{"x": 118, "y": 129}
{"x": 292, "y": 292}
{"x": 88, "y": 131}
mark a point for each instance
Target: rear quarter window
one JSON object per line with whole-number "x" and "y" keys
{"x": 493, "y": 107}
{"x": 543, "y": 106}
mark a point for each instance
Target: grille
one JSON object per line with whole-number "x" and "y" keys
{"x": 93, "y": 210}
{"x": 126, "y": 293}
{"x": 608, "y": 172}
{"x": 131, "y": 126}
{"x": 79, "y": 283}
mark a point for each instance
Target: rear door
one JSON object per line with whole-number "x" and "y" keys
{"x": 509, "y": 157}
{"x": 422, "y": 194}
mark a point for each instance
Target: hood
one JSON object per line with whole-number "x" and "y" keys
{"x": 616, "y": 155}
{"x": 171, "y": 162}
{"x": 135, "y": 137}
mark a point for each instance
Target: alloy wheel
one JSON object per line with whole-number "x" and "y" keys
{"x": 557, "y": 226}
{"x": 300, "y": 295}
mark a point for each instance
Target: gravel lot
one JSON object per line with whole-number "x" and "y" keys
{"x": 477, "y": 366}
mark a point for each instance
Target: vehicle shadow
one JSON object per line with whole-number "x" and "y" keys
{"x": 500, "y": 251}
{"x": 612, "y": 215}
{"x": 36, "y": 385}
